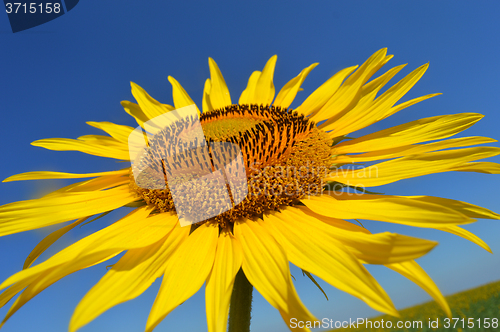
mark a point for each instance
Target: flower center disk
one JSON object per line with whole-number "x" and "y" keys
{"x": 285, "y": 158}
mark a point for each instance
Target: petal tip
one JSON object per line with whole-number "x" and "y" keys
{"x": 171, "y": 79}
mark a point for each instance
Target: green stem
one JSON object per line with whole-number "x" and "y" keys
{"x": 241, "y": 304}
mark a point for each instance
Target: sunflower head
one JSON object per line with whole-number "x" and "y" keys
{"x": 269, "y": 156}
{"x": 264, "y": 186}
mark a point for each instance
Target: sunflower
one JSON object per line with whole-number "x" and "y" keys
{"x": 303, "y": 189}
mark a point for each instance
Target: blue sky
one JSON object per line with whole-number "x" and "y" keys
{"x": 77, "y": 68}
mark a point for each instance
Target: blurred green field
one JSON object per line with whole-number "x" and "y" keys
{"x": 478, "y": 303}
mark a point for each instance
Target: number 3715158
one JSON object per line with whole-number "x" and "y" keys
{"x": 32, "y": 8}
{"x": 470, "y": 323}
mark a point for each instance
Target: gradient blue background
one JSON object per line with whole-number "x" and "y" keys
{"x": 77, "y": 68}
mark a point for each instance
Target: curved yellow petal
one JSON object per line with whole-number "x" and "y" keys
{"x": 128, "y": 278}
{"x": 411, "y": 166}
{"x": 185, "y": 272}
{"x": 220, "y": 281}
{"x": 466, "y": 235}
{"x": 287, "y": 94}
{"x": 379, "y": 248}
{"x": 60, "y": 175}
{"x": 265, "y": 264}
{"x": 264, "y": 90}
{"x": 25, "y": 215}
{"x": 99, "y": 183}
{"x": 467, "y": 209}
{"x": 181, "y": 98}
{"x": 48, "y": 241}
{"x": 479, "y": 167}
{"x": 382, "y": 80}
{"x": 407, "y": 150}
{"x": 247, "y": 94}
{"x": 50, "y": 276}
{"x": 206, "y": 104}
{"x": 395, "y": 209}
{"x": 415, "y": 273}
{"x": 260, "y": 88}
{"x": 364, "y": 115}
{"x": 364, "y": 96}
{"x": 149, "y": 106}
{"x": 86, "y": 252}
{"x": 311, "y": 249}
{"x": 103, "y": 140}
{"x": 118, "y": 132}
{"x": 348, "y": 94}
{"x": 337, "y": 223}
{"x": 422, "y": 130}
{"x": 219, "y": 93}
{"x": 135, "y": 111}
{"x": 101, "y": 148}
{"x": 321, "y": 95}
{"x": 136, "y": 230}
{"x": 10, "y": 292}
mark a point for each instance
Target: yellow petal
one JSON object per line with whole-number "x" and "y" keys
{"x": 220, "y": 281}
{"x": 206, "y": 105}
{"x": 49, "y": 277}
{"x": 395, "y": 209}
{"x": 248, "y": 94}
{"x": 25, "y": 215}
{"x": 264, "y": 90}
{"x": 382, "y": 80}
{"x": 466, "y": 235}
{"x": 349, "y": 93}
{"x": 364, "y": 115}
{"x": 118, "y": 132}
{"x": 410, "y": 166}
{"x": 133, "y": 231}
{"x": 265, "y": 265}
{"x": 408, "y": 150}
{"x": 380, "y": 248}
{"x": 311, "y": 249}
{"x": 48, "y": 241}
{"x": 479, "y": 167}
{"x": 321, "y": 95}
{"x": 89, "y": 251}
{"x": 102, "y": 148}
{"x": 149, "y": 106}
{"x": 422, "y": 130}
{"x": 287, "y": 94}
{"x": 467, "y": 209}
{"x": 181, "y": 98}
{"x": 219, "y": 93}
{"x": 364, "y": 97}
{"x": 415, "y": 273}
{"x": 99, "y": 183}
{"x": 60, "y": 175}
{"x": 135, "y": 111}
{"x": 128, "y": 278}
{"x": 337, "y": 223}
{"x": 10, "y": 292}
{"x": 185, "y": 272}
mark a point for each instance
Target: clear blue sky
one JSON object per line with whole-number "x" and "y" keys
{"x": 77, "y": 68}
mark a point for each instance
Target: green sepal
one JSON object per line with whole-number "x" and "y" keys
{"x": 304, "y": 272}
